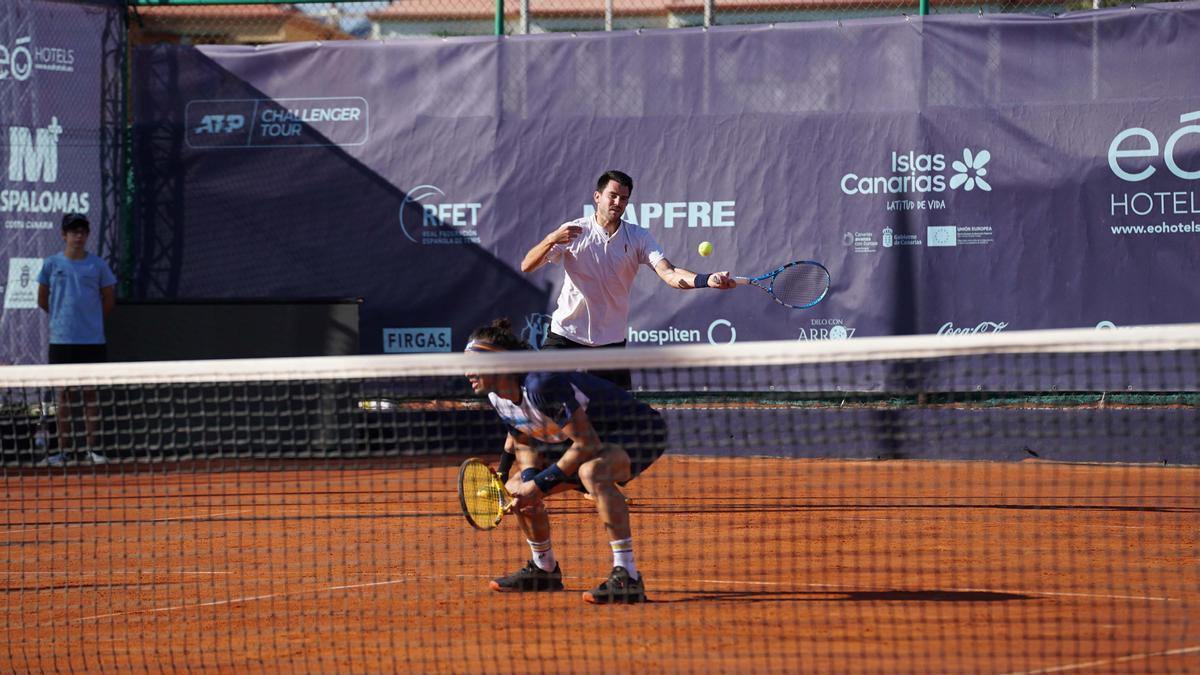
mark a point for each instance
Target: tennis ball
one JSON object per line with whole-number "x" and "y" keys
{"x": 706, "y": 248}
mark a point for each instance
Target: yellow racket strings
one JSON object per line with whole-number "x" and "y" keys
{"x": 482, "y": 494}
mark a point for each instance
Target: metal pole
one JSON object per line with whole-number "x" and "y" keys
{"x": 709, "y": 10}
{"x": 923, "y": 8}
{"x": 499, "y": 18}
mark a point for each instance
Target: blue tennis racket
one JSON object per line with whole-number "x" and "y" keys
{"x": 798, "y": 285}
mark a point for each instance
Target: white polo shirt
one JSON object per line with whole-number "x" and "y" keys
{"x": 593, "y": 306}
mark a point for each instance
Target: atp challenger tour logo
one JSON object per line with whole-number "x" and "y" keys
{"x": 277, "y": 122}
{"x": 428, "y": 217}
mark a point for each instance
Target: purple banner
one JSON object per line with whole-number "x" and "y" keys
{"x": 55, "y": 60}
{"x": 955, "y": 174}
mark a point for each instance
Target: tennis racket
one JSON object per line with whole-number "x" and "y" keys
{"x": 482, "y": 495}
{"x": 799, "y": 285}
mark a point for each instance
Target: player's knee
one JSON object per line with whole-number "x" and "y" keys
{"x": 601, "y": 474}
{"x": 595, "y": 476}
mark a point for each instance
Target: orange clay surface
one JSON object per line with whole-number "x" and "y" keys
{"x": 752, "y": 565}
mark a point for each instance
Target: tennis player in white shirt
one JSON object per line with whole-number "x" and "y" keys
{"x": 600, "y": 255}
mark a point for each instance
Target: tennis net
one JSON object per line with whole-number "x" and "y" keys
{"x": 1013, "y": 502}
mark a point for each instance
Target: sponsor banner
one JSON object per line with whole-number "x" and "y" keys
{"x": 936, "y": 208}
{"x": 949, "y": 328}
{"x": 826, "y": 329}
{"x": 22, "y": 57}
{"x": 22, "y": 288}
{"x": 429, "y": 217}
{"x": 536, "y": 329}
{"x": 404, "y": 340}
{"x": 57, "y": 61}
{"x": 717, "y": 332}
{"x": 273, "y": 123}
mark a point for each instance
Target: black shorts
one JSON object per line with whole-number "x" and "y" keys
{"x": 622, "y": 378}
{"x": 78, "y": 353}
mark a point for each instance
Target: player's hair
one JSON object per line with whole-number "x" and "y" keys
{"x": 621, "y": 177}
{"x": 75, "y": 221}
{"x": 500, "y": 333}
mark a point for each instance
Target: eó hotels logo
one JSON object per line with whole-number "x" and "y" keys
{"x": 971, "y": 170}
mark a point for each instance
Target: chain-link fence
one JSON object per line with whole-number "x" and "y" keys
{"x": 273, "y": 21}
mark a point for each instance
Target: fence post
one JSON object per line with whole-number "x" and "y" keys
{"x": 500, "y": 17}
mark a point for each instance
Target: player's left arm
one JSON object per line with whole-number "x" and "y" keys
{"x": 679, "y": 277}
{"x": 585, "y": 444}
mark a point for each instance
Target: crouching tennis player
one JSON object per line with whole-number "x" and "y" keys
{"x": 568, "y": 431}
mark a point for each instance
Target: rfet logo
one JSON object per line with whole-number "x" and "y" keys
{"x": 428, "y": 217}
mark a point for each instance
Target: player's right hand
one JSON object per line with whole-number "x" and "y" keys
{"x": 566, "y": 233}
{"x": 721, "y": 280}
{"x": 527, "y": 498}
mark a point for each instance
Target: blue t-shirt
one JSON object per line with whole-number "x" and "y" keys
{"x": 548, "y": 400}
{"x": 76, "y": 310}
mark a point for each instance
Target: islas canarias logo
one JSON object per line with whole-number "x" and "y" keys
{"x": 919, "y": 173}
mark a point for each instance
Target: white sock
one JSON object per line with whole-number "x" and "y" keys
{"x": 543, "y": 555}
{"x": 623, "y": 556}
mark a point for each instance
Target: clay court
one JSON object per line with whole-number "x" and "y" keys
{"x": 753, "y": 565}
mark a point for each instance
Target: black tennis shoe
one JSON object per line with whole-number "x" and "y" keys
{"x": 529, "y": 579}
{"x": 617, "y": 589}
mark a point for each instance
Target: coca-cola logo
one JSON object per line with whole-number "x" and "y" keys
{"x": 949, "y": 328}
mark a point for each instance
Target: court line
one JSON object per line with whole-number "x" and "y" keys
{"x": 109, "y": 573}
{"x": 836, "y": 588}
{"x": 1109, "y": 662}
{"x": 221, "y": 514}
{"x": 97, "y": 523}
{"x": 978, "y": 522}
{"x": 249, "y": 598}
{"x": 831, "y": 587}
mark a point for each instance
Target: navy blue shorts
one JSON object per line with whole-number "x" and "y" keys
{"x": 643, "y": 439}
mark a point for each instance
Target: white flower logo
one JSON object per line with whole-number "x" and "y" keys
{"x": 968, "y": 166}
